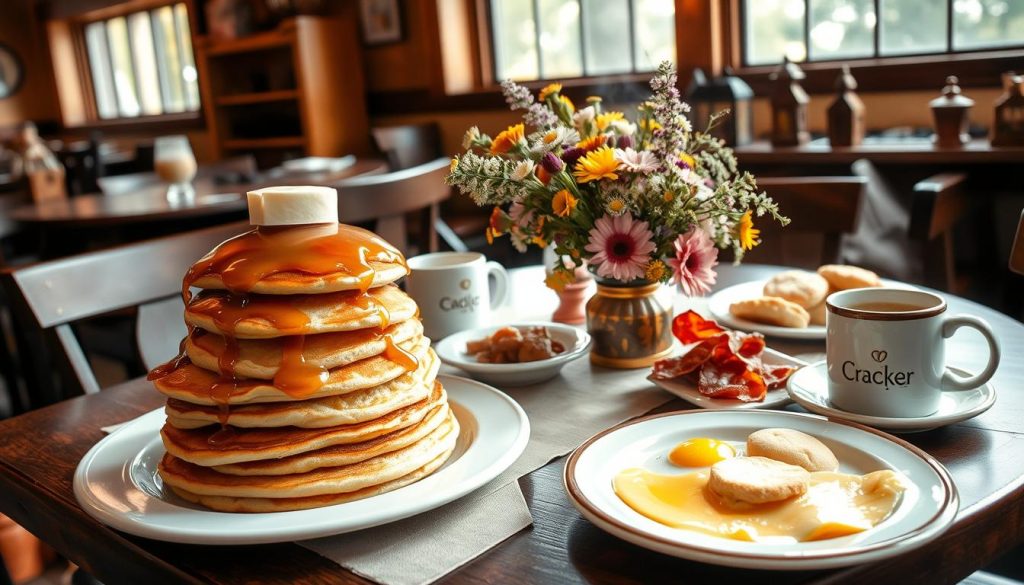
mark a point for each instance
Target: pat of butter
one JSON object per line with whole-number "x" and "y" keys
{"x": 290, "y": 205}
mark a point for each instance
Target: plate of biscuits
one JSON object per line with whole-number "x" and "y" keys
{"x": 761, "y": 489}
{"x": 791, "y": 304}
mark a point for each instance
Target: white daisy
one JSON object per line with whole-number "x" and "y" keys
{"x": 623, "y": 127}
{"x": 472, "y": 135}
{"x": 581, "y": 117}
{"x": 523, "y": 169}
{"x": 643, "y": 161}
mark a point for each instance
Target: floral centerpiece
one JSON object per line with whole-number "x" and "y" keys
{"x": 639, "y": 202}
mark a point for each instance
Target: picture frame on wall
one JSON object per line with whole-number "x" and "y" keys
{"x": 381, "y": 20}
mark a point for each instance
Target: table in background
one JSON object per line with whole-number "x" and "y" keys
{"x": 985, "y": 455}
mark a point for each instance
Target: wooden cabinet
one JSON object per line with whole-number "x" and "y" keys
{"x": 292, "y": 91}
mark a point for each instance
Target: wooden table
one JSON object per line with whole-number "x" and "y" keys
{"x": 151, "y": 203}
{"x": 39, "y": 452}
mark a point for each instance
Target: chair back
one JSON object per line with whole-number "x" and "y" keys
{"x": 408, "y": 146}
{"x": 52, "y": 295}
{"x": 239, "y": 169}
{"x": 820, "y": 209}
{"x": 384, "y": 200}
{"x": 1017, "y": 251}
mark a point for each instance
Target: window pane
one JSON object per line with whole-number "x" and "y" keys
{"x": 655, "y": 33}
{"x": 607, "y": 40}
{"x": 145, "y": 63}
{"x": 121, "y": 58}
{"x": 515, "y": 53}
{"x": 99, "y": 66}
{"x": 842, "y": 28}
{"x": 987, "y": 23}
{"x": 560, "y": 38}
{"x": 912, "y": 26}
{"x": 168, "y": 62}
{"x": 188, "y": 63}
{"x": 775, "y": 28}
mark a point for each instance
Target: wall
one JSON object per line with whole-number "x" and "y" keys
{"x": 35, "y": 99}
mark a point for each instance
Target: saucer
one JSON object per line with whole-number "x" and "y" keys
{"x": 808, "y": 387}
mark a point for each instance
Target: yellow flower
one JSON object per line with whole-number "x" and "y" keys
{"x": 748, "y": 234}
{"x": 568, "y": 103}
{"x": 558, "y": 279}
{"x": 603, "y": 120}
{"x": 592, "y": 143}
{"x": 655, "y": 270}
{"x": 550, "y": 137}
{"x": 598, "y": 164}
{"x": 548, "y": 90}
{"x": 453, "y": 165}
{"x": 563, "y": 203}
{"x": 648, "y": 124}
{"x": 507, "y": 139}
{"x": 616, "y": 206}
{"x": 683, "y": 157}
{"x": 539, "y": 241}
{"x": 668, "y": 196}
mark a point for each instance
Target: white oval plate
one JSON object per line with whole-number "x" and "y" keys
{"x": 718, "y": 305}
{"x": 808, "y": 387}
{"x": 926, "y": 509}
{"x": 452, "y": 351}
{"x": 773, "y": 399}
{"x": 117, "y": 481}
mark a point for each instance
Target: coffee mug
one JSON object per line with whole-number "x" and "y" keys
{"x": 452, "y": 291}
{"x": 886, "y": 351}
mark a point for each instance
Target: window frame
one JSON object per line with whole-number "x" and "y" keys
{"x": 172, "y": 120}
{"x": 907, "y": 72}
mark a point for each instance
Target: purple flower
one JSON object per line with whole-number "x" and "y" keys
{"x": 551, "y": 163}
{"x": 571, "y": 155}
{"x": 624, "y": 142}
{"x": 683, "y": 165}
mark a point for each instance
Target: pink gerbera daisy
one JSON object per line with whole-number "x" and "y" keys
{"x": 621, "y": 247}
{"x": 695, "y": 261}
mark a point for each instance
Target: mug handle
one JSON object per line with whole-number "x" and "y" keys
{"x": 500, "y": 283}
{"x": 951, "y": 381}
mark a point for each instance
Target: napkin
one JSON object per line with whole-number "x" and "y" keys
{"x": 563, "y": 413}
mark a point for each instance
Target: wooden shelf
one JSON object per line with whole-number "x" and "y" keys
{"x": 261, "y": 97}
{"x": 273, "y": 39}
{"x": 274, "y": 142}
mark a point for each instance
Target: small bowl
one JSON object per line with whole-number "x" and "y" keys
{"x": 452, "y": 351}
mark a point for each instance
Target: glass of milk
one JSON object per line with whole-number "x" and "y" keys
{"x": 175, "y": 164}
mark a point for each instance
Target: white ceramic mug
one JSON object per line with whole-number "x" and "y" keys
{"x": 452, "y": 291}
{"x": 886, "y": 351}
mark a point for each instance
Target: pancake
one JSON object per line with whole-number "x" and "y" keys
{"x": 193, "y": 384}
{"x": 240, "y": 445}
{"x": 295, "y": 283}
{"x": 325, "y": 481}
{"x": 262, "y": 316}
{"x": 258, "y": 505}
{"x": 261, "y": 358}
{"x": 350, "y": 408}
{"x": 338, "y": 455}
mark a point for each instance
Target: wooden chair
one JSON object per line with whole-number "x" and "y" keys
{"x": 385, "y": 200}
{"x": 240, "y": 169}
{"x": 48, "y": 298}
{"x": 906, "y": 229}
{"x": 821, "y": 210}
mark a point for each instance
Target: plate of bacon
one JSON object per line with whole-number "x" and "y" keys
{"x": 723, "y": 369}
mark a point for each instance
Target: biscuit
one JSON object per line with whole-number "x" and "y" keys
{"x": 818, "y": 313}
{"x": 757, "y": 480}
{"x": 843, "y": 276}
{"x": 771, "y": 310}
{"x": 806, "y": 289}
{"x": 793, "y": 447}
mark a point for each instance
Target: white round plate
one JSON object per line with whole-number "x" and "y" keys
{"x": 925, "y": 510}
{"x": 773, "y": 399}
{"x": 808, "y": 387}
{"x": 718, "y": 305}
{"x": 452, "y": 351}
{"x": 117, "y": 481}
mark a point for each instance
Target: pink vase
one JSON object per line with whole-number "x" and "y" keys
{"x": 572, "y": 302}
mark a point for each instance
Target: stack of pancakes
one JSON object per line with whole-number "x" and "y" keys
{"x": 298, "y": 388}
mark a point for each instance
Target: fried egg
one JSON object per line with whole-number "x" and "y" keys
{"x": 700, "y": 452}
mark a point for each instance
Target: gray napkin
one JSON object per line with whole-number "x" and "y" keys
{"x": 563, "y": 413}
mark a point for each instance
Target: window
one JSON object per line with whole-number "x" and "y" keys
{"x": 141, "y": 64}
{"x": 824, "y": 30}
{"x": 549, "y": 39}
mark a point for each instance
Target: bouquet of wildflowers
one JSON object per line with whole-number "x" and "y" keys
{"x": 650, "y": 199}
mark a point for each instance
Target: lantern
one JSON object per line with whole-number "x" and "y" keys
{"x": 846, "y": 114}
{"x": 727, "y": 92}
{"x": 789, "y": 106}
{"x": 951, "y": 111}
